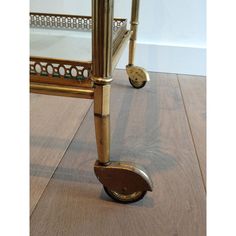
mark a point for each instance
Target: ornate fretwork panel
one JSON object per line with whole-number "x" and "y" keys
{"x": 60, "y": 71}
{"x": 58, "y": 21}
{"x": 69, "y": 22}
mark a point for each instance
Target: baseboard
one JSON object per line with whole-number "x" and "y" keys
{"x": 168, "y": 59}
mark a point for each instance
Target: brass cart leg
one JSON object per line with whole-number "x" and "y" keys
{"x": 134, "y": 28}
{"x": 138, "y": 76}
{"x": 124, "y": 182}
{"x": 102, "y": 122}
{"x": 101, "y": 74}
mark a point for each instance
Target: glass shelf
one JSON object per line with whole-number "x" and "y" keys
{"x": 61, "y": 48}
{"x": 61, "y": 44}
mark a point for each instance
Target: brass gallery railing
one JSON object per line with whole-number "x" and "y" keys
{"x": 61, "y": 71}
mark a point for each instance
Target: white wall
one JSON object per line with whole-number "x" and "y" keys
{"x": 172, "y": 33}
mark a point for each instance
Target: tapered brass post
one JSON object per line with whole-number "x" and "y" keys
{"x": 102, "y": 14}
{"x": 122, "y": 181}
{"x": 134, "y": 28}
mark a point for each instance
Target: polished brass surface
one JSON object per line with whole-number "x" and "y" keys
{"x": 137, "y": 74}
{"x": 102, "y": 80}
{"x": 102, "y": 44}
{"x": 117, "y": 54}
{"x": 102, "y": 126}
{"x": 102, "y": 100}
{"x": 118, "y": 35}
{"x": 102, "y": 50}
{"x": 102, "y": 121}
{"x": 123, "y": 177}
{"x": 134, "y": 28}
{"x": 58, "y": 90}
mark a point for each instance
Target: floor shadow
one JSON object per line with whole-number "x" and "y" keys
{"x": 149, "y": 150}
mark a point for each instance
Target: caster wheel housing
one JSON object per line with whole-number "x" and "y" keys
{"x": 138, "y": 76}
{"x": 125, "y": 182}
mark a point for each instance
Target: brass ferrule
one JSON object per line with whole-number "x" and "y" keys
{"x": 102, "y": 81}
{"x": 134, "y": 22}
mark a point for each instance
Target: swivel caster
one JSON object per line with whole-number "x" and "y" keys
{"x": 138, "y": 76}
{"x": 125, "y": 198}
{"x": 124, "y": 182}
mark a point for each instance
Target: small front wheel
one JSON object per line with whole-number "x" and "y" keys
{"x": 138, "y": 76}
{"x": 137, "y": 84}
{"x": 125, "y": 198}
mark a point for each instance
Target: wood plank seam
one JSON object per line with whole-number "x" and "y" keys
{"x": 66, "y": 149}
{"x": 191, "y": 132}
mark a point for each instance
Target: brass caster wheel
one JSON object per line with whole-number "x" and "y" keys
{"x": 138, "y": 76}
{"x": 123, "y": 197}
{"x": 137, "y": 84}
{"x": 125, "y": 182}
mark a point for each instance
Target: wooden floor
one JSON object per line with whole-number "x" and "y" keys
{"x": 161, "y": 127}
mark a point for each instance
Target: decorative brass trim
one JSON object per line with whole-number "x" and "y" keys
{"x": 60, "y": 21}
{"x": 69, "y": 22}
{"x": 60, "y": 71}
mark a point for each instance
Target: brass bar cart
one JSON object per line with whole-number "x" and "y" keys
{"x": 66, "y": 75}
